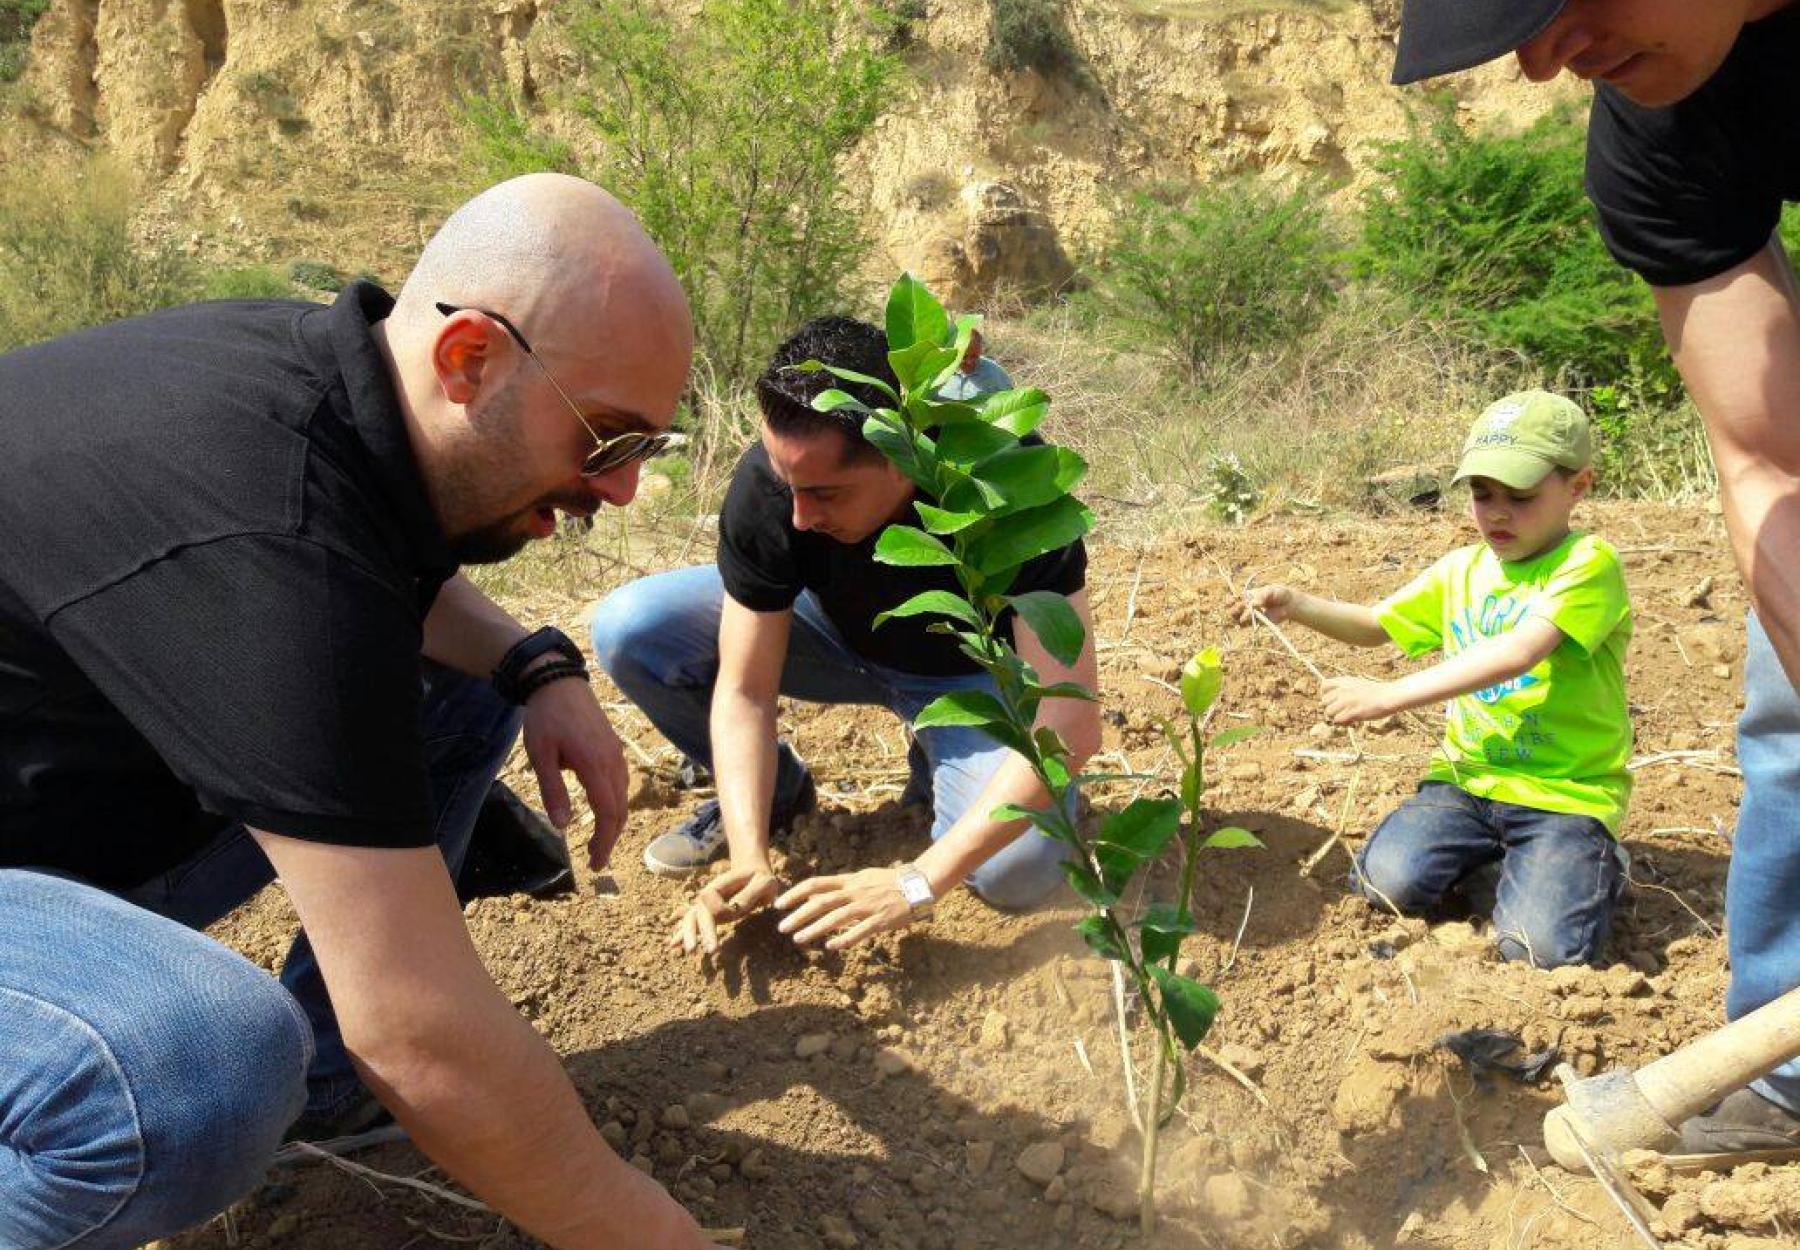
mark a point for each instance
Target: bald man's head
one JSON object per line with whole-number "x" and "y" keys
{"x": 498, "y": 434}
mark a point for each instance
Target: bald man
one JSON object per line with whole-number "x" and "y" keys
{"x": 234, "y": 645}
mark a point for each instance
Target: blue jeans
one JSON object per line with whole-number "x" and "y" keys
{"x": 658, "y": 638}
{"x": 1560, "y": 875}
{"x": 1762, "y": 892}
{"x": 147, "y": 1072}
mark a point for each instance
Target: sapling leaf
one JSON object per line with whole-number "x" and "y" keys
{"x": 938, "y": 521}
{"x": 1057, "y": 625}
{"x": 1231, "y": 737}
{"x": 1143, "y": 826}
{"x": 940, "y": 602}
{"x": 919, "y": 363}
{"x": 1201, "y": 679}
{"x": 1018, "y": 412}
{"x": 1100, "y": 934}
{"x": 962, "y": 708}
{"x": 1231, "y": 838}
{"x": 911, "y": 548}
{"x": 1083, "y": 881}
{"x": 914, "y": 315}
{"x": 899, "y": 448}
{"x": 1064, "y": 690}
{"x": 967, "y": 445}
{"x": 1189, "y": 1005}
{"x": 1032, "y": 533}
{"x": 834, "y": 400}
{"x": 928, "y": 411}
{"x": 1024, "y": 477}
{"x": 1161, "y": 930}
{"x": 847, "y": 375}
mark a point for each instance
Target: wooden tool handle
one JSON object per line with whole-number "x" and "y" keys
{"x": 1699, "y": 1074}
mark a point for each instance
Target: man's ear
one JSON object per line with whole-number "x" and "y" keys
{"x": 461, "y": 355}
{"x": 1581, "y": 484}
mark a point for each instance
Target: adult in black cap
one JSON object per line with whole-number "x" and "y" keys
{"x": 1693, "y": 147}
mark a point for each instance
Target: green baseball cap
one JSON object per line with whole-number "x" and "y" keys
{"x": 1521, "y": 438}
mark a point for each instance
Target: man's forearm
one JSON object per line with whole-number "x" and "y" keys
{"x": 484, "y": 1096}
{"x": 468, "y": 631}
{"x": 1346, "y": 622}
{"x": 743, "y": 747}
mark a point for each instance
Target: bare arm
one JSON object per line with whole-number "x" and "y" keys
{"x": 1736, "y": 340}
{"x": 566, "y": 729}
{"x": 478, "y": 1090}
{"x": 1347, "y": 622}
{"x": 752, "y": 652}
{"x": 1497, "y": 659}
{"x": 847, "y": 908}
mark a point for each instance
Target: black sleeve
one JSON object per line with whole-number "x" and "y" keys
{"x": 278, "y": 679}
{"x": 1679, "y": 192}
{"x": 756, "y": 556}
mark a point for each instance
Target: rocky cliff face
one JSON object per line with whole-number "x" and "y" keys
{"x": 277, "y": 128}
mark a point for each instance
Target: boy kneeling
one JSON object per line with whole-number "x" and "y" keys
{"x": 1533, "y": 622}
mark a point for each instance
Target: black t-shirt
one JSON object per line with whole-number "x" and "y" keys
{"x": 765, "y": 563}
{"x": 218, "y": 553}
{"x": 1687, "y": 192}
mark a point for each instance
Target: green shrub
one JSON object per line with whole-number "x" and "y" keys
{"x": 67, "y": 256}
{"x": 17, "y": 17}
{"x": 724, "y": 134}
{"x": 1492, "y": 236}
{"x": 1031, "y": 34}
{"x": 318, "y": 275}
{"x": 1651, "y": 443}
{"x": 245, "y": 282}
{"x": 1225, "y": 272}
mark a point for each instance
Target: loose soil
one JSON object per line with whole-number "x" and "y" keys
{"x": 959, "y": 1086}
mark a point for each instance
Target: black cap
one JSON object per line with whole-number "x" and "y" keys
{"x": 1443, "y": 36}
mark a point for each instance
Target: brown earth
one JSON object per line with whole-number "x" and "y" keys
{"x": 944, "y": 1053}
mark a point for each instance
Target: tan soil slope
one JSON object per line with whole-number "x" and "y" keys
{"x": 885, "y": 1099}
{"x": 280, "y": 128}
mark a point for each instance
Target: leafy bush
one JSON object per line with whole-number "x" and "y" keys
{"x": 1226, "y": 271}
{"x": 245, "y": 282}
{"x": 317, "y": 275}
{"x": 724, "y": 134}
{"x": 17, "y": 17}
{"x": 1650, "y": 445}
{"x": 67, "y": 256}
{"x": 1492, "y": 235}
{"x": 1031, "y": 34}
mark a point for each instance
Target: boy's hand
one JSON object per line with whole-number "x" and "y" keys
{"x": 1274, "y": 601}
{"x": 1351, "y": 700}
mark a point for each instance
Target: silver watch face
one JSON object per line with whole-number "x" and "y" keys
{"x": 916, "y": 888}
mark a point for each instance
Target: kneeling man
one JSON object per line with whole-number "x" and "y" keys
{"x": 787, "y": 610}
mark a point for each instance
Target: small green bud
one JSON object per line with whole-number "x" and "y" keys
{"x": 1200, "y": 681}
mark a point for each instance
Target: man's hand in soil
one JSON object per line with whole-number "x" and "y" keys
{"x": 845, "y": 909}
{"x": 566, "y": 731}
{"x": 1351, "y": 700}
{"x": 732, "y": 895}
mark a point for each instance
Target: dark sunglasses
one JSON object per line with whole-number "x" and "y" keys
{"x": 609, "y": 453}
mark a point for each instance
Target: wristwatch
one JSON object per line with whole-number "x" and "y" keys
{"x": 917, "y": 890}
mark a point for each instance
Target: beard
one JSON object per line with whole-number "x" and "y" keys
{"x": 479, "y": 489}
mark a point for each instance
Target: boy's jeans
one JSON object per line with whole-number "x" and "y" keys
{"x": 1560, "y": 875}
{"x": 1762, "y": 892}
{"x": 146, "y": 1072}
{"x": 658, "y": 637}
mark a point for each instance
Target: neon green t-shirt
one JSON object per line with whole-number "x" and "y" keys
{"x": 1558, "y": 736}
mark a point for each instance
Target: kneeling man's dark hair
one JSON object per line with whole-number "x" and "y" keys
{"x": 786, "y": 394}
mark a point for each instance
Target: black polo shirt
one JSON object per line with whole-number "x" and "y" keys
{"x": 1686, "y": 192}
{"x": 764, "y": 563}
{"x": 217, "y": 557}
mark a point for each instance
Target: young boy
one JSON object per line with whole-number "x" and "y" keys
{"x": 1533, "y": 622}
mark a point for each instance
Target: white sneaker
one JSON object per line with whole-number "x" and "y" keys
{"x": 699, "y": 839}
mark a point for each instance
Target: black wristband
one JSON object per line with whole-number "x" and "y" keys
{"x": 544, "y": 674}
{"x": 509, "y": 675}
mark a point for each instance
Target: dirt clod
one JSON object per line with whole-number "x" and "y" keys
{"x": 1040, "y": 1161}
